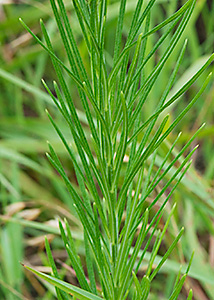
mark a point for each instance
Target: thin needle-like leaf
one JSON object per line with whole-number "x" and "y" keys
{"x": 68, "y": 288}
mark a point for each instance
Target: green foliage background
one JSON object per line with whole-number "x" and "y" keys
{"x": 33, "y": 196}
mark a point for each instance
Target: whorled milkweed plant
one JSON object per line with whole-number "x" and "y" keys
{"x": 116, "y": 165}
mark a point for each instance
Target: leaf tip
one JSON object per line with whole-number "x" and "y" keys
{"x": 23, "y": 265}
{"x": 174, "y": 206}
{"x": 21, "y": 21}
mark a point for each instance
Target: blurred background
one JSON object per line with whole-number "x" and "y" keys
{"x": 33, "y": 196}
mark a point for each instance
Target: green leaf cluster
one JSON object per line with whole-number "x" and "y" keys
{"x": 115, "y": 166}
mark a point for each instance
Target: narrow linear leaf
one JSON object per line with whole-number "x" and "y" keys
{"x": 68, "y": 288}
